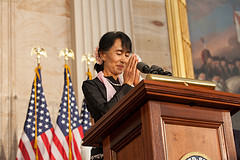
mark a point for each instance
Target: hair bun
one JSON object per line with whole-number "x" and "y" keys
{"x": 98, "y": 67}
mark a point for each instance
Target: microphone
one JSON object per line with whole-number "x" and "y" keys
{"x": 156, "y": 70}
{"x": 168, "y": 73}
{"x": 142, "y": 67}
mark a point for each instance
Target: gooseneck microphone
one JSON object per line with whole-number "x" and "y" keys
{"x": 142, "y": 67}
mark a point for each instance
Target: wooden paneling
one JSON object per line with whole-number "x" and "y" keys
{"x": 153, "y": 131}
{"x": 132, "y": 151}
{"x": 126, "y": 141}
{"x": 182, "y": 139}
{"x": 228, "y": 136}
{"x": 193, "y": 129}
{"x": 128, "y": 131}
{"x": 106, "y": 148}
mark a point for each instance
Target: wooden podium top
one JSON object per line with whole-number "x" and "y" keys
{"x": 159, "y": 91}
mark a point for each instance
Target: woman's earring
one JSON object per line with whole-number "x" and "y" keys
{"x": 102, "y": 59}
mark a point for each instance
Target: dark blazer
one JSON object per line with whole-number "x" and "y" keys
{"x": 96, "y": 96}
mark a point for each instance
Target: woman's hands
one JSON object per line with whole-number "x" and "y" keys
{"x": 131, "y": 74}
{"x": 137, "y": 76}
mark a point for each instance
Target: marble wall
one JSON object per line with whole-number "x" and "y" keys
{"x": 26, "y": 24}
{"x": 151, "y": 32}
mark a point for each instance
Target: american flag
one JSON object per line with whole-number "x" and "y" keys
{"x": 60, "y": 146}
{"x": 85, "y": 117}
{"x": 26, "y": 149}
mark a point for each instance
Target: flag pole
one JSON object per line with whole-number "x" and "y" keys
{"x": 88, "y": 59}
{"x": 38, "y": 51}
{"x": 68, "y": 53}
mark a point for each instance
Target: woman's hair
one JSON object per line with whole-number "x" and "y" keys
{"x": 107, "y": 41}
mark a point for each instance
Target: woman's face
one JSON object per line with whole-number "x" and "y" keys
{"x": 115, "y": 59}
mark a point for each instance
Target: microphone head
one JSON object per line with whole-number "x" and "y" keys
{"x": 156, "y": 70}
{"x": 142, "y": 67}
{"x": 154, "y": 67}
{"x": 168, "y": 73}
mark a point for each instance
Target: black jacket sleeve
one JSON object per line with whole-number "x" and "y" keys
{"x": 95, "y": 95}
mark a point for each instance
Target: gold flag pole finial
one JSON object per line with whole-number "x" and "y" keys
{"x": 67, "y": 53}
{"x": 88, "y": 58}
{"x": 39, "y": 51}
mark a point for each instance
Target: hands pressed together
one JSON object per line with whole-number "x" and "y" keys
{"x": 131, "y": 74}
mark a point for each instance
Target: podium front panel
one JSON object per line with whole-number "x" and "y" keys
{"x": 186, "y": 129}
{"x": 182, "y": 139}
{"x": 162, "y": 130}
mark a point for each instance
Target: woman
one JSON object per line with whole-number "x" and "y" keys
{"x": 102, "y": 93}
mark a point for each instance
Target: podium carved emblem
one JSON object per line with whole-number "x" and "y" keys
{"x": 195, "y": 156}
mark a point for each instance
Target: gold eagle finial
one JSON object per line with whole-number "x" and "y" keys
{"x": 88, "y": 58}
{"x": 38, "y": 51}
{"x": 67, "y": 53}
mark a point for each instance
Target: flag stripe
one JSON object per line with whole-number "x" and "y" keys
{"x": 47, "y": 138}
{"x": 78, "y": 137}
{"x": 76, "y": 147}
{"x": 23, "y": 150}
{"x": 62, "y": 140}
{"x": 81, "y": 131}
{"x": 39, "y": 152}
{"x": 62, "y": 146}
{"x": 28, "y": 146}
{"x": 59, "y": 148}
{"x": 19, "y": 154}
{"x": 42, "y": 148}
{"x": 73, "y": 151}
{"x": 55, "y": 154}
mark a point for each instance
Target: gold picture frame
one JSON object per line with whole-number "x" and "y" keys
{"x": 180, "y": 44}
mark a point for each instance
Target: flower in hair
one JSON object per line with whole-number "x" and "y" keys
{"x": 98, "y": 59}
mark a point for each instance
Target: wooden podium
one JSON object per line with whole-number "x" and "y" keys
{"x": 166, "y": 121}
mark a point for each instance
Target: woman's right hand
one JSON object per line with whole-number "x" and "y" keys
{"x": 137, "y": 77}
{"x": 130, "y": 70}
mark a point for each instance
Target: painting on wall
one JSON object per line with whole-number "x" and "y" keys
{"x": 214, "y": 28}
